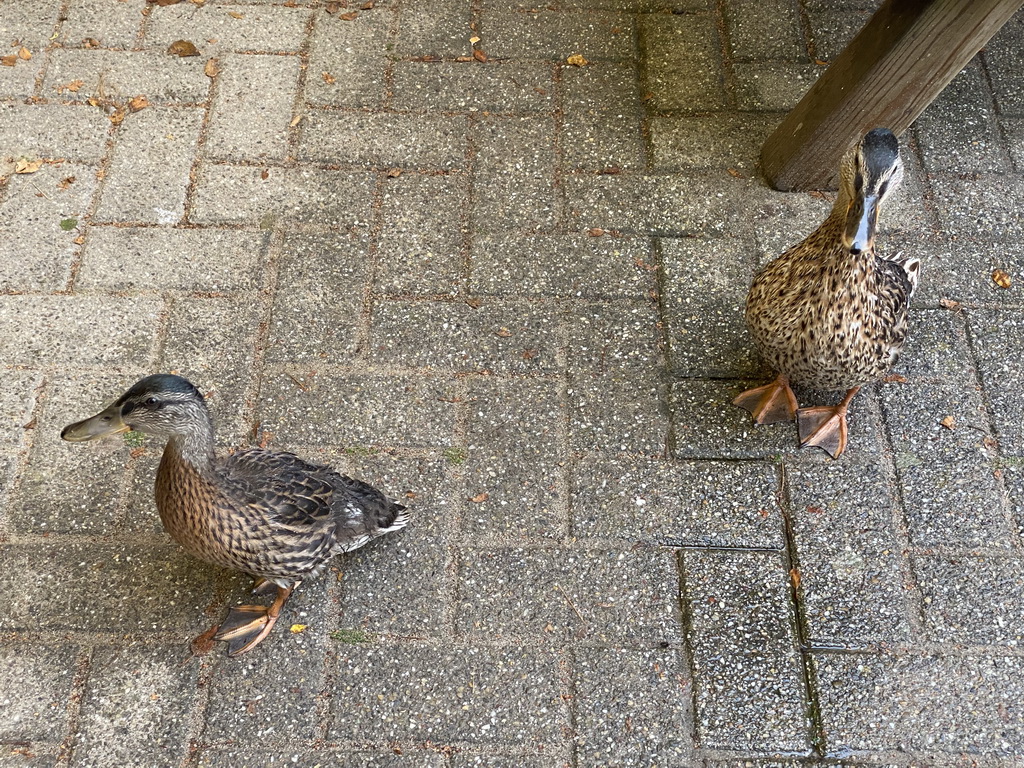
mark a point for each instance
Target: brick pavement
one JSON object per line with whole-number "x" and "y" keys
{"x": 375, "y": 250}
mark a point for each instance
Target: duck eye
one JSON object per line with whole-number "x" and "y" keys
{"x": 151, "y": 401}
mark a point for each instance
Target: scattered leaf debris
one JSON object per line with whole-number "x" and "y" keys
{"x": 577, "y": 60}
{"x": 350, "y": 16}
{"x": 212, "y": 68}
{"x": 503, "y": 332}
{"x": 295, "y": 629}
{"x": 1001, "y": 278}
{"x": 182, "y": 48}
{"x": 138, "y": 103}
{"x": 394, "y": 173}
{"x": 68, "y": 224}
{"x": 794, "y": 576}
{"x": 949, "y": 303}
{"x": 8, "y": 61}
{"x": 479, "y": 55}
{"x": 894, "y": 378}
{"x": 295, "y": 121}
{"x": 26, "y": 165}
{"x": 162, "y": 3}
{"x": 24, "y": 53}
{"x": 66, "y": 182}
{"x": 236, "y": 15}
{"x": 90, "y": 42}
{"x": 480, "y": 498}
{"x": 332, "y": 7}
{"x": 118, "y": 115}
{"x": 329, "y": 78}
{"x": 367, "y": 6}
{"x": 734, "y": 173}
{"x": 948, "y": 422}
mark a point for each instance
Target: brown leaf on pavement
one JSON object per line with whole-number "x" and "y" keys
{"x": 329, "y": 78}
{"x": 350, "y": 16}
{"x": 182, "y": 48}
{"x": 139, "y": 102}
{"x": 480, "y": 497}
{"x": 948, "y": 422}
{"x": 118, "y": 115}
{"x": 577, "y": 60}
{"x": 212, "y": 68}
{"x": 162, "y": 3}
{"x": 948, "y": 303}
{"x": 24, "y": 53}
{"x": 24, "y": 165}
{"x": 8, "y": 61}
{"x": 1001, "y": 278}
{"x": 479, "y": 55}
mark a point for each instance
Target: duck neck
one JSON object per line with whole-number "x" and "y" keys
{"x": 193, "y": 443}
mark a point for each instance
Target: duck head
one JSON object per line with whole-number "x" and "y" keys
{"x": 868, "y": 174}
{"x": 162, "y": 405}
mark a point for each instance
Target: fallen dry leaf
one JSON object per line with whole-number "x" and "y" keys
{"x": 79, "y": 240}
{"x": 1001, "y": 278}
{"x": 24, "y": 53}
{"x": 74, "y": 86}
{"x": 734, "y": 173}
{"x": 480, "y": 497}
{"x": 367, "y": 6}
{"x": 394, "y": 173}
{"x": 894, "y": 378}
{"x": 139, "y": 102}
{"x": 794, "y": 576}
{"x": 66, "y": 182}
{"x": 211, "y": 68}
{"x": 595, "y": 232}
{"x": 8, "y": 61}
{"x": 332, "y": 7}
{"x": 948, "y": 303}
{"x": 577, "y": 60}
{"x": 118, "y": 115}
{"x": 295, "y": 121}
{"x": 203, "y": 644}
{"x": 182, "y": 48}
{"x": 474, "y": 40}
{"x": 90, "y": 42}
{"x": 350, "y": 16}
{"x": 479, "y": 55}
{"x": 948, "y": 422}
{"x": 162, "y": 3}
{"x": 503, "y": 332}
{"x": 24, "y": 165}
{"x": 264, "y": 174}
{"x": 297, "y": 628}
{"x": 329, "y": 78}
{"x": 529, "y": 354}
{"x": 458, "y": 58}
{"x": 236, "y": 15}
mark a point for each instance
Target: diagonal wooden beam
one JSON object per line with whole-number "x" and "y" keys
{"x": 902, "y": 59}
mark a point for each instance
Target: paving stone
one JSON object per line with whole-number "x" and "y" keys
{"x": 299, "y": 198}
{"x": 684, "y": 69}
{"x": 358, "y": 410}
{"x": 994, "y": 333}
{"x": 136, "y": 707}
{"x": 773, "y": 86}
{"x": 705, "y": 292}
{"x": 852, "y": 571}
{"x": 149, "y": 170}
{"x": 603, "y": 143}
{"x": 353, "y": 54}
{"x": 962, "y": 270}
{"x": 122, "y": 75}
{"x": 474, "y": 695}
{"x": 750, "y": 38}
{"x": 31, "y": 22}
{"x": 710, "y": 142}
{"x": 624, "y": 596}
{"x": 319, "y": 299}
{"x": 494, "y": 86}
{"x": 113, "y": 26}
{"x": 503, "y": 338}
{"x": 832, "y": 31}
{"x": 77, "y": 134}
{"x": 411, "y": 141}
{"x": 941, "y": 706}
{"x": 22, "y": 757}
{"x": 618, "y": 413}
{"x": 678, "y": 504}
{"x": 267, "y": 29}
{"x": 435, "y": 28}
{"x": 1013, "y": 133}
{"x": 20, "y": 80}
{"x": 972, "y": 600}
{"x": 251, "y": 114}
{"x": 513, "y": 464}
{"x": 975, "y": 144}
{"x": 633, "y": 708}
{"x": 613, "y": 337}
{"x": 423, "y": 234}
{"x": 216, "y": 757}
{"x": 554, "y": 35}
{"x": 781, "y": 220}
{"x": 18, "y": 399}
{"x": 36, "y": 683}
{"x": 36, "y": 252}
{"x": 1012, "y": 470}
{"x": 601, "y": 87}
{"x": 54, "y": 587}
{"x": 1004, "y": 62}
{"x": 401, "y": 584}
{"x": 77, "y": 330}
{"x": 985, "y": 203}
{"x": 748, "y": 681}
{"x": 561, "y": 266}
{"x": 462, "y": 760}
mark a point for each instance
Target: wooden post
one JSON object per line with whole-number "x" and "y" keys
{"x": 902, "y": 59}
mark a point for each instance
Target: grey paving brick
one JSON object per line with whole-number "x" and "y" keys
{"x": 31, "y": 22}
{"x": 358, "y": 410}
{"x": 36, "y": 252}
{"x": 353, "y": 56}
{"x": 502, "y": 338}
{"x": 1004, "y": 62}
{"x": 267, "y": 29}
{"x": 750, "y": 38}
{"x": 832, "y": 30}
{"x": 76, "y": 133}
{"x": 435, "y": 28}
{"x": 412, "y": 141}
{"x": 773, "y": 86}
{"x": 561, "y": 266}
{"x": 221, "y": 756}
{"x": 613, "y": 337}
{"x": 601, "y": 87}
{"x": 942, "y": 706}
{"x": 603, "y": 142}
{"x": 136, "y": 707}
{"x": 852, "y": 571}
{"x": 77, "y": 330}
{"x": 618, "y": 413}
{"x": 1012, "y": 471}
{"x": 781, "y": 220}
{"x": 556, "y": 35}
{"x": 13, "y": 756}
{"x": 748, "y": 684}
{"x": 623, "y": 596}
{"x": 462, "y": 760}
{"x": 111, "y": 25}
{"x": 36, "y": 681}
{"x": 975, "y": 143}
{"x": 633, "y": 708}
{"x": 972, "y": 600}
{"x": 300, "y": 198}
{"x": 149, "y": 170}
{"x": 122, "y": 75}
{"x": 17, "y": 401}
{"x": 710, "y": 143}
{"x": 472, "y": 86}
{"x": 319, "y": 299}
{"x": 986, "y": 203}
{"x": 423, "y": 234}
{"x": 159, "y": 258}
{"x": 685, "y": 503}
{"x": 476, "y": 695}
{"x": 1013, "y": 132}
{"x": 994, "y": 333}
{"x": 401, "y": 584}
{"x": 684, "y": 69}
{"x": 253, "y": 108}
{"x": 514, "y": 466}
{"x": 53, "y": 587}
{"x": 705, "y": 292}
{"x": 20, "y": 80}
{"x": 962, "y": 270}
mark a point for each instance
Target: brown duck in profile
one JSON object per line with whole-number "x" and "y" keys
{"x": 266, "y": 513}
{"x": 830, "y": 313}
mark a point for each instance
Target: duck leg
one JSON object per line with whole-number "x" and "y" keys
{"x": 246, "y": 625}
{"x": 825, "y": 426}
{"x": 770, "y": 404}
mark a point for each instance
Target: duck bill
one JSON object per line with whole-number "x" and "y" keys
{"x": 861, "y": 220}
{"x": 106, "y": 422}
